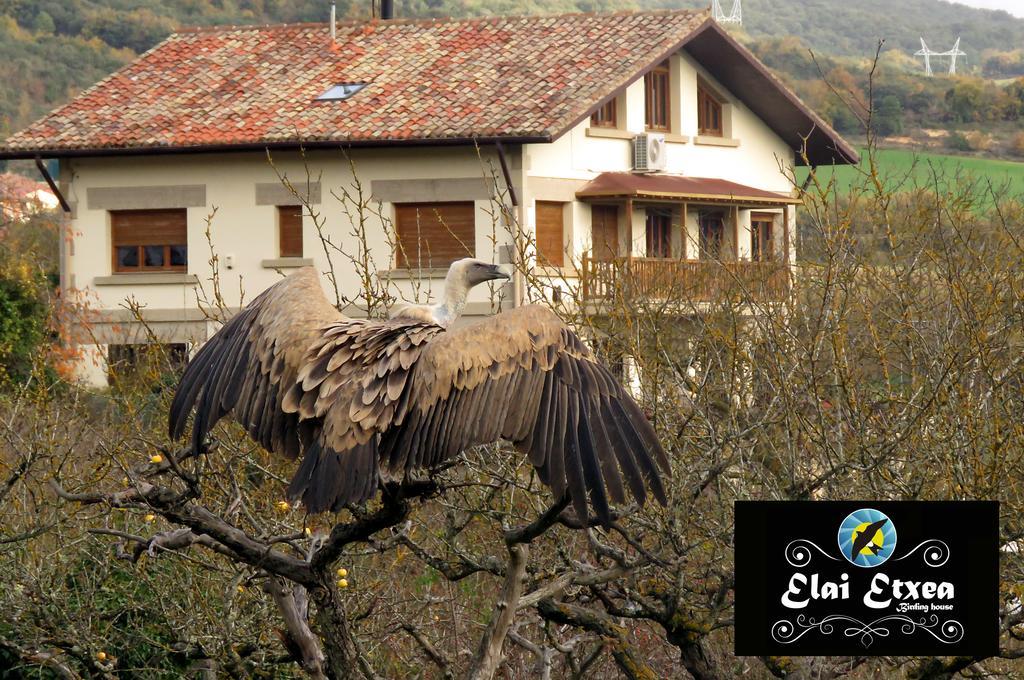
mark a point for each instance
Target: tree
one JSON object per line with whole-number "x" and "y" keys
{"x": 44, "y": 24}
{"x": 1017, "y": 145}
{"x": 24, "y": 315}
{"x": 889, "y": 116}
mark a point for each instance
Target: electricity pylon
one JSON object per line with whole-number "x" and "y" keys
{"x": 928, "y": 54}
{"x": 736, "y": 17}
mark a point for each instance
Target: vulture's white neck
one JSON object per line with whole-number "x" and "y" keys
{"x": 456, "y": 290}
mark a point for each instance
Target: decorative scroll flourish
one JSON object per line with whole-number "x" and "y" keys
{"x": 787, "y": 632}
{"x": 935, "y": 554}
{"x": 798, "y": 554}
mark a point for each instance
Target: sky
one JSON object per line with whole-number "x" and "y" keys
{"x": 1015, "y": 7}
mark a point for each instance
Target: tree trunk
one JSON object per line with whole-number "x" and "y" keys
{"x": 291, "y": 601}
{"x": 694, "y": 656}
{"x": 339, "y": 645}
{"x": 488, "y": 655}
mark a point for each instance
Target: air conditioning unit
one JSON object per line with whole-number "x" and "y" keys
{"x": 649, "y": 152}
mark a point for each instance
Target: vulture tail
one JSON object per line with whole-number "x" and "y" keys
{"x": 328, "y": 480}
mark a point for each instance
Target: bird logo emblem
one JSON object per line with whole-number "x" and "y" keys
{"x": 867, "y": 537}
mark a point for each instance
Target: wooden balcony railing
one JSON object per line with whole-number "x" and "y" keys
{"x": 683, "y": 280}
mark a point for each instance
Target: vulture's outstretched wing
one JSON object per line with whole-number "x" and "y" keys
{"x": 248, "y": 365}
{"x": 525, "y": 377}
{"x": 289, "y": 348}
{"x": 423, "y": 395}
{"x": 358, "y": 397}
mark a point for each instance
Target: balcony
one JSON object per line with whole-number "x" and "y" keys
{"x": 683, "y": 280}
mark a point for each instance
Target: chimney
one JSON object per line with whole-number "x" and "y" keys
{"x": 387, "y": 9}
{"x": 333, "y": 22}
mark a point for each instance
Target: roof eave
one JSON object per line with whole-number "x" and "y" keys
{"x": 687, "y": 196}
{"x": 21, "y": 154}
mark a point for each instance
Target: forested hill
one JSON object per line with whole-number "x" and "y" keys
{"x": 51, "y": 49}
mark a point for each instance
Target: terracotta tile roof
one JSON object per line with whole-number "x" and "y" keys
{"x": 631, "y": 185}
{"x": 427, "y": 81}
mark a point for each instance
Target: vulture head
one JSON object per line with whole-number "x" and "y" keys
{"x": 469, "y": 272}
{"x": 462, "y": 275}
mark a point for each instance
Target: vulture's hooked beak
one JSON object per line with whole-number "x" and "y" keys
{"x": 498, "y": 273}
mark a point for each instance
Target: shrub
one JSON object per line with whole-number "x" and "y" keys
{"x": 958, "y": 141}
{"x": 979, "y": 141}
{"x": 23, "y": 315}
{"x": 1017, "y": 145}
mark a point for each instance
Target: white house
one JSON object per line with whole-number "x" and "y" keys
{"x": 651, "y": 136}
{"x": 21, "y": 198}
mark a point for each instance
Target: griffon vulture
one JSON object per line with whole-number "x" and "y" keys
{"x": 366, "y": 399}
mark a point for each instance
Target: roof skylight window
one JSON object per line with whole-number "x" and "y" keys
{"x": 340, "y": 91}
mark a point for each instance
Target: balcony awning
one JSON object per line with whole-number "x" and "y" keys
{"x": 623, "y": 185}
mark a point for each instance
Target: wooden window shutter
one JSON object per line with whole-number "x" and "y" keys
{"x": 657, "y": 109}
{"x": 659, "y": 234}
{"x": 433, "y": 235}
{"x": 550, "y": 233}
{"x": 604, "y": 231}
{"x": 289, "y": 225}
{"x": 709, "y": 112}
{"x": 149, "y": 240}
{"x": 712, "y": 236}
{"x": 606, "y": 116}
{"x": 762, "y": 244}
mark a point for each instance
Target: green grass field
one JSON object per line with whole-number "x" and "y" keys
{"x": 905, "y": 170}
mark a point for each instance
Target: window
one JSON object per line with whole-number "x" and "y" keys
{"x": 656, "y": 97}
{"x": 762, "y": 248}
{"x": 605, "y": 116}
{"x": 433, "y": 235}
{"x": 149, "y": 240}
{"x": 550, "y": 234}
{"x": 709, "y": 112}
{"x": 712, "y": 233}
{"x": 340, "y": 92}
{"x": 289, "y": 230}
{"x": 659, "y": 234}
{"x": 604, "y": 231}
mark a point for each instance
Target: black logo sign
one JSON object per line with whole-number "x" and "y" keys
{"x": 867, "y": 578}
